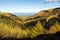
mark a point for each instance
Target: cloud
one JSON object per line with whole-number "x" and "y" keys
{"x": 52, "y": 0}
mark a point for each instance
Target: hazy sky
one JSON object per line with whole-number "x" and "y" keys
{"x": 27, "y": 6}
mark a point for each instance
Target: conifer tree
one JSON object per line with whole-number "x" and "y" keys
{"x": 37, "y": 30}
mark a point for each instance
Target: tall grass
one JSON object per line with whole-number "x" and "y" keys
{"x": 10, "y": 32}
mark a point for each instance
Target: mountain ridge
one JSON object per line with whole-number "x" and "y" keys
{"x": 50, "y": 13}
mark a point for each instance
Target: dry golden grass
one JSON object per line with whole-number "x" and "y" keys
{"x": 7, "y": 31}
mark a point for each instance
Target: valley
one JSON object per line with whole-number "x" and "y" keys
{"x": 43, "y": 22}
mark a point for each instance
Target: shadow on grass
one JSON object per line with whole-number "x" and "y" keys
{"x": 55, "y": 36}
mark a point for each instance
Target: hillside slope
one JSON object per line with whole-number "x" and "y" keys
{"x": 44, "y": 22}
{"x": 10, "y": 19}
{"x": 48, "y": 14}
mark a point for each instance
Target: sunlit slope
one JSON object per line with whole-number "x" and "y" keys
{"x": 48, "y": 14}
{"x": 11, "y": 26}
{"x": 10, "y": 19}
{"x": 52, "y": 26}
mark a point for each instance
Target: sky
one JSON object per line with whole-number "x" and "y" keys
{"x": 27, "y": 6}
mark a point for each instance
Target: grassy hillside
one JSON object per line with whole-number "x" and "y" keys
{"x": 44, "y": 22}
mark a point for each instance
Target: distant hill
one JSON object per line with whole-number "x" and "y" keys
{"x": 23, "y": 14}
{"x": 8, "y": 18}
{"x": 48, "y": 14}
